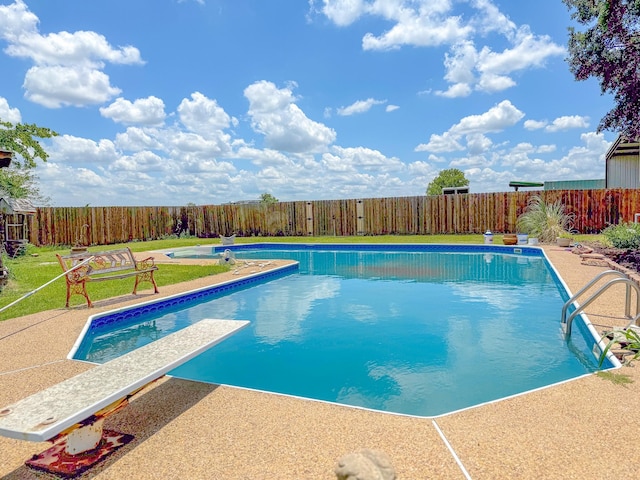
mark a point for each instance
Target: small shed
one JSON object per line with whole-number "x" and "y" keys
{"x": 623, "y": 164}
{"x": 14, "y": 213}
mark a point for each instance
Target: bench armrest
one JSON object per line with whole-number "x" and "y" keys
{"x": 79, "y": 274}
{"x": 145, "y": 263}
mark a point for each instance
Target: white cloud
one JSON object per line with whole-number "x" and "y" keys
{"x": 494, "y": 83}
{"x": 455, "y": 91}
{"x": 203, "y": 115}
{"x": 459, "y": 65}
{"x": 391, "y": 108}
{"x": 535, "y": 124}
{"x": 436, "y": 159}
{"x": 528, "y": 51}
{"x": 490, "y": 19}
{"x": 8, "y": 114}
{"x": 525, "y": 147}
{"x": 423, "y": 169}
{"x": 274, "y": 113}
{"x": 67, "y": 66}
{"x": 431, "y": 23}
{"x": 469, "y": 162}
{"x": 56, "y": 86}
{"x": 520, "y": 163}
{"x": 425, "y": 27}
{"x": 70, "y": 149}
{"x": 478, "y": 143}
{"x": 546, "y": 149}
{"x": 360, "y": 106}
{"x": 568, "y": 122}
{"x": 263, "y": 157}
{"x": 343, "y": 12}
{"x": 193, "y": 145}
{"x": 16, "y": 20}
{"x": 81, "y": 49}
{"x": 441, "y": 143}
{"x": 487, "y": 179}
{"x": 489, "y": 71}
{"x": 136, "y": 139}
{"x": 143, "y": 111}
{"x": 144, "y": 161}
{"x": 587, "y": 161}
{"x": 496, "y": 119}
{"x": 368, "y": 159}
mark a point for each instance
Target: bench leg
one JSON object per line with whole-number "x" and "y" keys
{"x": 145, "y": 277}
{"x": 78, "y": 289}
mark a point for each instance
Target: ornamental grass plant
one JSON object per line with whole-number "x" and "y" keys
{"x": 545, "y": 221}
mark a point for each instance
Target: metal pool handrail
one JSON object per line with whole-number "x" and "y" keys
{"x": 622, "y": 278}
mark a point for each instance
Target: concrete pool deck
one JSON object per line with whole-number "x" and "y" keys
{"x": 579, "y": 429}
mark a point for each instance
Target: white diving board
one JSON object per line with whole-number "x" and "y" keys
{"x": 56, "y": 409}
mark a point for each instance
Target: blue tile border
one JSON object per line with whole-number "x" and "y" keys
{"x": 128, "y": 315}
{"x": 386, "y": 247}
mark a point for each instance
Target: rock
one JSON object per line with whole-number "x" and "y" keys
{"x": 365, "y": 464}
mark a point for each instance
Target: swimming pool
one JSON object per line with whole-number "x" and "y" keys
{"x": 410, "y": 329}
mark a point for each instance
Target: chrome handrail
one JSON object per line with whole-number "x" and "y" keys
{"x": 622, "y": 278}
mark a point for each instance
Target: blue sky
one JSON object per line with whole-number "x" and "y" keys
{"x": 212, "y": 101}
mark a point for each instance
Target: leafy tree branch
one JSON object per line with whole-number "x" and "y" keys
{"x": 608, "y": 49}
{"x": 21, "y": 139}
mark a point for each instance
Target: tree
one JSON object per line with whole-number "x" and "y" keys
{"x": 451, "y": 177}
{"x": 21, "y": 139}
{"x": 267, "y": 198}
{"x": 609, "y": 50}
{"x": 18, "y": 181}
{"x": 21, "y": 183}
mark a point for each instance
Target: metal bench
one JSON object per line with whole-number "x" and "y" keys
{"x": 102, "y": 266}
{"x": 71, "y": 413}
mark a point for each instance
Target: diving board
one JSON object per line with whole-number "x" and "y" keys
{"x": 77, "y": 406}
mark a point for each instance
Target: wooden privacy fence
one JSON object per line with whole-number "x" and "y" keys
{"x": 466, "y": 213}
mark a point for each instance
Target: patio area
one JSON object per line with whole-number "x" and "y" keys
{"x": 183, "y": 429}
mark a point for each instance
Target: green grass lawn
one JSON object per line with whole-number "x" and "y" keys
{"x": 40, "y": 265}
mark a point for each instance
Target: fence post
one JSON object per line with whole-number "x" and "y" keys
{"x": 309, "y": 218}
{"x": 359, "y": 217}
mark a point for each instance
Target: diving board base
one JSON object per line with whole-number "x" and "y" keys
{"x": 58, "y": 461}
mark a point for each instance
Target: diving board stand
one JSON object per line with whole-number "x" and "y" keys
{"x": 71, "y": 413}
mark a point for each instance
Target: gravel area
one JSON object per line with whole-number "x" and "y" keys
{"x": 192, "y": 430}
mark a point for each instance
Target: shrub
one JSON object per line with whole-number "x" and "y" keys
{"x": 624, "y": 235}
{"x": 545, "y": 221}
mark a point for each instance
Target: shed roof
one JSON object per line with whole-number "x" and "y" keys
{"x": 10, "y": 206}
{"x": 622, "y": 147}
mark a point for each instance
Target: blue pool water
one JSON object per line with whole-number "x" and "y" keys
{"x": 420, "y": 331}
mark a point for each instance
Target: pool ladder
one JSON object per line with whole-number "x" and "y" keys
{"x": 621, "y": 278}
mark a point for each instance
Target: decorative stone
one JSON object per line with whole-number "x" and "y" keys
{"x": 365, "y": 464}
